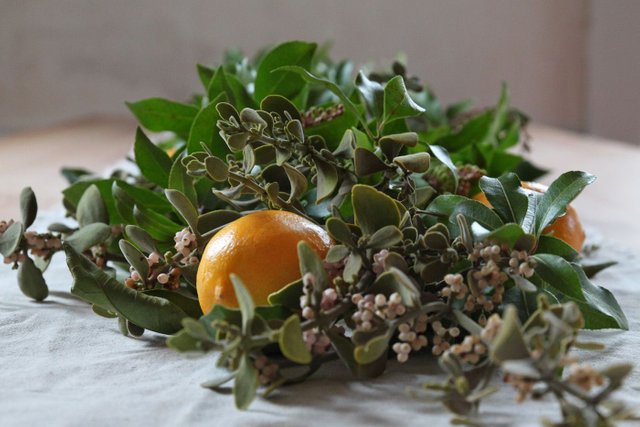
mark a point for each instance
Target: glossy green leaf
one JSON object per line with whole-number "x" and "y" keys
{"x": 397, "y": 101}
{"x": 559, "y": 274}
{"x": 548, "y": 244}
{"x": 180, "y": 180}
{"x": 31, "y": 282}
{"x": 475, "y": 211}
{"x": 291, "y": 343}
{"x": 184, "y": 207}
{"x": 327, "y": 179}
{"x": 373, "y": 209}
{"x": 28, "y": 206}
{"x": 271, "y": 81}
{"x": 153, "y": 162}
{"x": 373, "y": 94}
{"x": 444, "y": 205}
{"x": 507, "y": 233}
{"x": 561, "y": 192}
{"x": 157, "y": 225}
{"x": 280, "y": 105}
{"x": 228, "y": 85}
{"x": 442, "y": 154}
{"x": 216, "y": 219}
{"x": 506, "y": 196}
{"x": 367, "y": 163}
{"x": 157, "y": 115}
{"x": 204, "y": 130}
{"x": 416, "y": 162}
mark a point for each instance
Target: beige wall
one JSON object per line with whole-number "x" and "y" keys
{"x": 613, "y": 91}
{"x": 63, "y": 58}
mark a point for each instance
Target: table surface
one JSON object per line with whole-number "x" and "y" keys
{"x": 63, "y": 365}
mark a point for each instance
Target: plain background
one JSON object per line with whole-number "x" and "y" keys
{"x": 570, "y": 63}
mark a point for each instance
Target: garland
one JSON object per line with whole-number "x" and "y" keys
{"x": 417, "y": 266}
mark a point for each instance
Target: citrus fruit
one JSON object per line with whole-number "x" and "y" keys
{"x": 262, "y": 249}
{"x": 567, "y": 227}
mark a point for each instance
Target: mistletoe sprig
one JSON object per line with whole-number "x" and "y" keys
{"x": 417, "y": 265}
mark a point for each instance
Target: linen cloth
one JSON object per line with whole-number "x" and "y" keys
{"x": 61, "y": 365}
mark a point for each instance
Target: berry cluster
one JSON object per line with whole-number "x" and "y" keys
{"x": 318, "y": 115}
{"x": 411, "y": 337}
{"x": 267, "y": 371}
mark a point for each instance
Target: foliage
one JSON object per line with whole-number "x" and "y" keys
{"x": 383, "y": 166}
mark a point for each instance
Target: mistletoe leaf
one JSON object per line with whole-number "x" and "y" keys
{"x": 291, "y": 343}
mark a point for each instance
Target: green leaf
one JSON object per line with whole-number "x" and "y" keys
{"x": 190, "y": 306}
{"x": 135, "y": 258}
{"x": 340, "y": 231}
{"x": 270, "y": 81}
{"x": 601, "y": 310}
{"x": 444, "y": 205}
{"x": 88, "y": 236}
{"x": 140, "y": 238}
{"x": 181, "y": 181}
{"x": 153, "y": 162}
{"x": 228, "y": 85}
{"x": 97, "y": 287}
{"x": 333, "y": 130}
{"x": 289, "y": 296}
{"x": 395, "y": 280}
{"x": 157, "y": 115}
{"x": 327, "y": 179}
{"x": 506, "y": 197}
{"x": 184, "y": 207}
{"x": 247, "y": 307}
{"x": 291, "y": 343}
{"x": 548, "y": 244}
{"x": 561, "y": 192}
{"x": 508, "y": 233}
{"x": 475, "y": 211}
{"x": 31, "y": 282}
{"x": 509, "y": 343}
{"x": 310, "y": 262}
{"x": 385, "y": 237}
{"x": 204, "y": 130}
{"x": 416, "y": 162}
{"x": 11, "y": 238}
{"x": 157, "y": 225}
{"x": 28, "y": 206}
{"x": 373, "y": 94}
{"x": 367, "y": 163}
{"x": 206, "y": 74}
{"x": 246, "y": 383}
{"x": 373, "y": 209}
{"x": 215, "y": 219}
{"x": 559, "y": 274}
{"x": 91, "y": 208}
{"x": 372, "y": 350}
{"x": 281, "y": 106}
{"x": 397, "y": 102}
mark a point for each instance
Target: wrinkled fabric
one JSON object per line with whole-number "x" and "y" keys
{"x": 61, "y": 365}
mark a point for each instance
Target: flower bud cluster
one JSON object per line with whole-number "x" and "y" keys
{"x": 442, "y": 337}
{"x": 160, "y": 272}
{"x": 317, "y": 342}
{"x": 42, "y": 245}
{"x": 470, "y": 350}
{"x": 455, "y": 287}
{"x": 310, "y": 307}
{"x": 584, "y": 376}
{"x": 411, "y": 337}
{"x": 523, "y": 385}
{"x": 318, "y": 115}
{"x": 186, "y": 245}
{"x": 522, "y": 264}
{"x": 267, "y": 372}
{"x": 378, "y": 261}
{"x": 373, "y": 309}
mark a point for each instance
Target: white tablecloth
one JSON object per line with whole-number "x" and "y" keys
{"x": 62, "y": 365}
